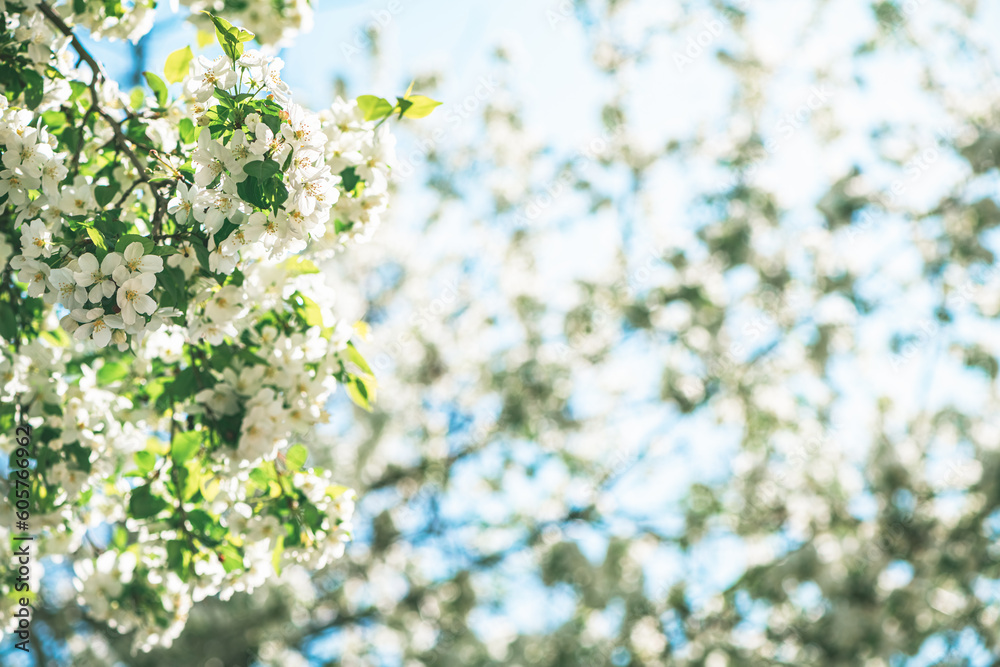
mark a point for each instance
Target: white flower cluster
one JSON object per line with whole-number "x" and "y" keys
{"x": 274, "y": 22}
{"x": 352, "y": 143}
{"x": 30, "y": 163}
{"x": 100, "y": 581}
{"x": 33, "y": 29}
{"x": 129, "y": 277}
{"x": 317, "y": 209}
{"x": 283, "y": 397}
{"x": 318, "y": 149}
{"x": 216, "y": 255}
{"x": 34, "y": 375}
{"x": 111, "y": 429}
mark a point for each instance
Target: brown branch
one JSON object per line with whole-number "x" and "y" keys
{"x": 121, "y": 141}
{"x": 74, "y": 165}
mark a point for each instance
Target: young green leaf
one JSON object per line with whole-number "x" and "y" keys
{"x": 297, "y": 266}
{"x": 230, "y": 38}
{"x": 112, "y": 372}
{"x": 296, "y": 457}
{"x": 354, "y": 357}
{"x": 177, "y": 64}
{"x": 145, "y": 462}
{"x": 97, "y": 238}
{"x": 158, "y": 87}
{"x": 143, "y": 504}
{"x": 185, "y": 445}
{"x": 128, "y": 239}
{"x": 262, "y": 169}
{"x": 104, "y": 194}
{"x": 188, "y": 131}
{"x": 361, "y": 390}
{"x": 419, "y": 107}
{"x": 374, "y": 108}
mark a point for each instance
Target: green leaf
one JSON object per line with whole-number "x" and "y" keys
{"x": 184, "y": 446}
{"x": 145, "y": 462}
{"x": 350, "y": 179}
{"x": 192, "y": 480}
{"x": 178, "y": 557}
{"x": 297, "y": 266}
{"x": 224, "y": 98}
{"x": 230, "y": 38}
{"x": 188, "y": 131}
{"x": 173, "y": 281}
{"x": 201, "y": 521}
{"x": 97, "y": 238}
{"x": 128, "y": 239}
{"x": 34, "y": 88}
{"x": 209, "y": 487}
{"x": 419, "y": 107}
{"x": 230, "y": 557}
{"x": 177, "y": 64}
{"x": 251, "y": 191}
{"x": 221, "y": 25}
{"x": 374, "y": 108}
{"x": 165, "y": 250}
{"x": 309, "y": 311}
{"x": 136, "y": 98}
{"x": 104, "y": 194}
{"x": 273, "y": 122}
{"x": 355, "y": 358}
{"x": 259, "y": 477}
{"x": 361, "y": 391}
{"x": 201, "y": 252}
{"x": 279, "y": 193}
{"x": 112, "y": 372}
{"x": 158, "y": 87}
{"x": 8, "y": 323}
{"x": 279, "y": 549}
{"x": 296, "y": 457}
{"x": 57, "y": 337}
{"x": 54, "y": 120}
{"x": 143, "y": 504}
{"x": 262, "y": 169}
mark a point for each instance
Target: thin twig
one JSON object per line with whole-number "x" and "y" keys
{"x": 122, "y": 142}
